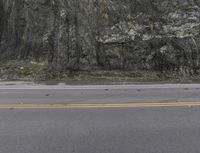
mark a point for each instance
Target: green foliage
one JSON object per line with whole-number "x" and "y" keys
{"x": 189, "y": 31}
{"x": 26, "y": 70}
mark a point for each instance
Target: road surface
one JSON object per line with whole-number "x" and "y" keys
{"x": 160, "y": 129}
{"x": 41, "y": 94}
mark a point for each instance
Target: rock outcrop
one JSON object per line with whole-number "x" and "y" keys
{"x": 157, "y": 35}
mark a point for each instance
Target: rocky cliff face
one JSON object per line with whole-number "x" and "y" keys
{"x": 161, "y": 35}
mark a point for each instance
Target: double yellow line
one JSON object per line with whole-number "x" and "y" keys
{"x": 121, "y": 105}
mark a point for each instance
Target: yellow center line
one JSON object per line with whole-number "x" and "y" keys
{"x": 121, "y": 105}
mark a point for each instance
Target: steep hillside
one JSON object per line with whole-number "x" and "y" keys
{"x": 153, "y": 35}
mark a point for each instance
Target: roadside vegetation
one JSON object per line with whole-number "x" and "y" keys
{"x": 58, "y": 39}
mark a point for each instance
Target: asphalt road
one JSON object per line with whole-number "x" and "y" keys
{"x": 138, "y": 130}
{"x": 40, "y": 94}
{"x": 100, "y": 130}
